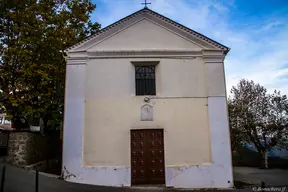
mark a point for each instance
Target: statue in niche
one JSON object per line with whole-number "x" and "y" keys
{"x": 146, "y": 112}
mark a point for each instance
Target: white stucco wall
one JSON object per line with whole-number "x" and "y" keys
{"x": 190, "y": 106}
{"x": 198, "y": 121}
{"x": 218, "y": 174}
{"x": 112, "y": 110}
{"x": 73, "y": 131}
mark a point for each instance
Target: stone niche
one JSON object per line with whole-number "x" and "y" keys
{"x": 25, "y": 148}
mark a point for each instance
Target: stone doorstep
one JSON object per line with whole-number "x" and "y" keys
{"x": 153, "y": 187}
{"x": 163, "y": 187}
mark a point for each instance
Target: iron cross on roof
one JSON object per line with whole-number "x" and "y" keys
{"x": 145, "y": 4}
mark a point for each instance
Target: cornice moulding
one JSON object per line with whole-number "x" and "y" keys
{"x": 155, "y": 52}
{"x": 209, "y": 56}
{"x": 213, "y": 59}
{"x": 77, "y": 61}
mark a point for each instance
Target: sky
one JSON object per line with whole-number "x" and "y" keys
{"x": 255, "y": 30}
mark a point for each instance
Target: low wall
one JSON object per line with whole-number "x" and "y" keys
{"x": 52, "y": 166}
{"x": 25, "y": 148}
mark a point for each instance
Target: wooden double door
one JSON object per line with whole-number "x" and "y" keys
{"x": 147, "y": 157}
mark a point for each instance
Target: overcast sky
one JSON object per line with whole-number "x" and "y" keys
{"x": 255, "y": 30}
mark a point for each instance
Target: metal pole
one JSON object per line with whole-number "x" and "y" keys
{"x": 262, "y": 186}
{"x": 37, "y": 181}
{"x": 3, "y": 178}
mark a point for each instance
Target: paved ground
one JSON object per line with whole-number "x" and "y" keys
{"x": 271, "y": 177}
{"x": 19, "y": 180}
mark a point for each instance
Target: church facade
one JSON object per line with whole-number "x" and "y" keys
{"x": 145, "y": 103}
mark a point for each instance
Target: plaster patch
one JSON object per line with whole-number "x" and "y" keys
{"x": 146, "y": 112}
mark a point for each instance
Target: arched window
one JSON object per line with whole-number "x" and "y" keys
{"x": 145, "y": 80}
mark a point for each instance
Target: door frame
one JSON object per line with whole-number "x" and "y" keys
{"x": 163, "y": 143}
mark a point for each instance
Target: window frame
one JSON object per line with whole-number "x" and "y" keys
{"x": 139, "y": 64}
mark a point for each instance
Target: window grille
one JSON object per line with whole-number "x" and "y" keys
{"x": 145, "y": 80}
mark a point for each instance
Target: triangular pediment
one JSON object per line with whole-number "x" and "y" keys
{"x": 146, "y": 29}
{"x": 145, "y": 35}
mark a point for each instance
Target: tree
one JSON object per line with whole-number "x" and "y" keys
{"x": 260, "y": 117}
{"x": 236, "y": 134}
{"x": 32, "y": 67}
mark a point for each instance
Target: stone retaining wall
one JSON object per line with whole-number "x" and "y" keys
{"x": 25, "y": 148}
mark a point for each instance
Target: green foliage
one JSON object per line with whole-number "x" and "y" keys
{"x": 32, "y": 67}
{"x": 258, "y": 117}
